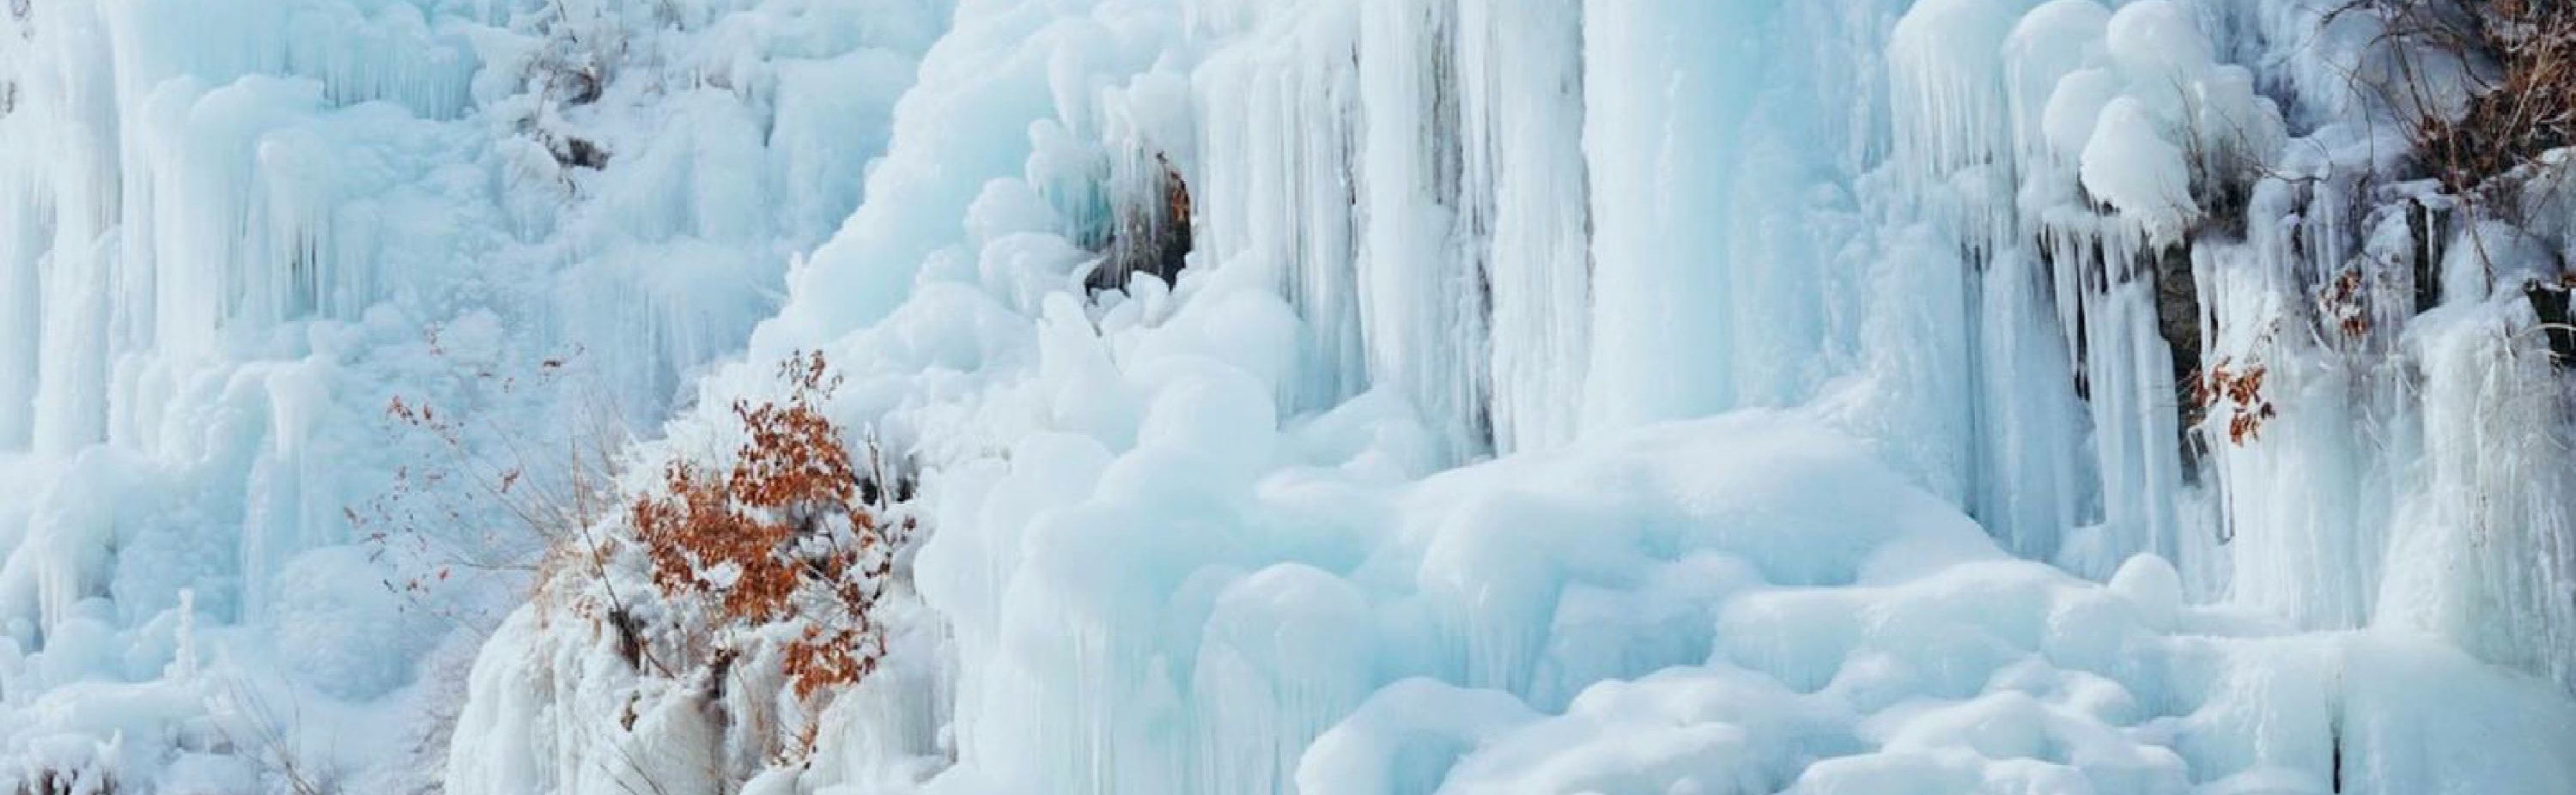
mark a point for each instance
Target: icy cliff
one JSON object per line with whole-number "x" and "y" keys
{"x": 233, "y": 234}
{"x": 1608, "y": 396}
{"x": 1324, "y": 396}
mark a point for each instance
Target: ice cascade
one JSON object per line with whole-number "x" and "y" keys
{"x": 1672, "y": 396}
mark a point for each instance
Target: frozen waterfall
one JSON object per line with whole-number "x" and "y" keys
{"x": 1321, "y": 396}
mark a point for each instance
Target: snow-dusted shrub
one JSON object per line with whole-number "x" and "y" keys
{"x": 742, "y": 579}
{"x": 779, "y": 534}
{"x": 261, "y": 731}
{"x": 2237, "y": 390}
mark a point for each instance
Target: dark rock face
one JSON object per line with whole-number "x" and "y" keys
{"x": 579, "y": 153}
{"x": 2178, "y": 321}
{"x": 2550, "y": 301}
{"x": 1151, "y": 232}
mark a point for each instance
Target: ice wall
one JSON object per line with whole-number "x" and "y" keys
{"x": 1679, "y": 396}
{"x": 2191, "y": 236}
{"x": 231, "y": 234}
{"x": 1659, "y": 297}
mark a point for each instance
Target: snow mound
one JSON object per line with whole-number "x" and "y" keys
{"x": 2132, "y": 106}
{"x": 1749, "y": 603}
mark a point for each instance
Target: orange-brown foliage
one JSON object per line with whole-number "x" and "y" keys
{"x": 2342, "y": 304}
{"x": 779, "y": 532}
{"x": 1176, "y": 195}
{"x": 2242, "y": 388}
{"x": 2528, "y": 110}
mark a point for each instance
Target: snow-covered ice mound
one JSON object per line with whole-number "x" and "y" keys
{"x": 1746, "y": 604}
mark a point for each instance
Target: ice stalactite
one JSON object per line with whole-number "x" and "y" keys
{"x": 172, "y": 208}
{"x": 2045, "y": 224}
{"x": 1423, "y": 286}
{"x": 1279, "y": 186}
{"x": 2397, "y": 334}
{"x": 2484, "y": 550}
{"x": 2240, "y": 309}
{"x": 2306, "y": 496}
{"x": 1521, "y": 95}
{"x": 2035, "y": 477}
{"x": 1397, "y": 169}
{"x": 2132, "y": 395}
{"x": 2070, "y": 145}
{"x": 1945, "y": 69}
{"x": 1443, "y": 196}
{"x": 22, "y": 245}
{"x": 2067, "y": 149}
{"x": 1663, "y": 100}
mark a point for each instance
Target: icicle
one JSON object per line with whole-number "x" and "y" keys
{"x": 1279, "y": 185}
{"x": 1526, "y": 194}
{"x": 2036, "y": 479}
{"x": 1662, "y": 132}
{"x": 184, "y": 663}
{"x": 2485, "y": 538}
{"x": 1424, "y": 289}
{"x": 1946, "y": 74}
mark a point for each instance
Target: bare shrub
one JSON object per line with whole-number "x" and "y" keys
{"x": 2529, "y": 110}
{"x": 270, "y": 740}
{"x": 2521, "y": 57}
{"x": 489, "y": 495}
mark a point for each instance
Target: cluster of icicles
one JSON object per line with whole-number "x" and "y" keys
{"x": 2095, "y": 210}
